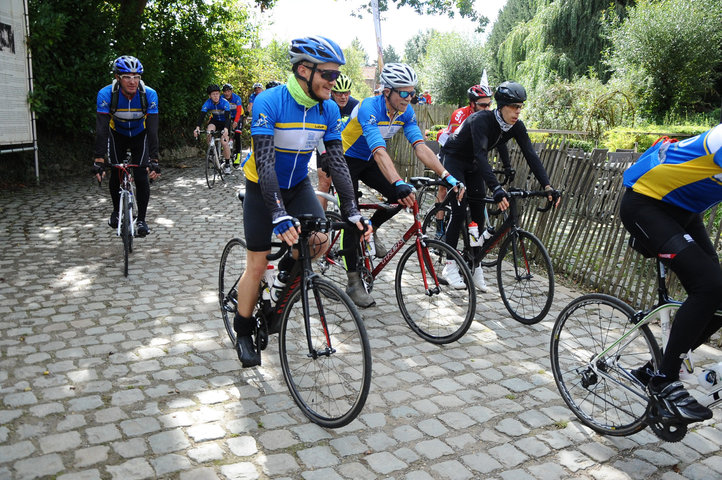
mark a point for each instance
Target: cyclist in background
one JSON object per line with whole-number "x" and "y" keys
{"x": 236, "y": 103}
{"x": 668, "y": 189}
{"x": 220, "y": 111}
{"x": 466, "y": 155}
{"x": 341, "y": 94}
{"x": 372, "y": 123}
{"x": 257, "y": 88}
{"x": 288, "y": 122}
{"x": 127, "y": 119}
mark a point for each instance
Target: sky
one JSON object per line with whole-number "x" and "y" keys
{"x": 331, "y": 18}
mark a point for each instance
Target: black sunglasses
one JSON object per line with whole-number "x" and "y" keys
{"x": 328, "y": 75}
{"x": 404, "y": 93}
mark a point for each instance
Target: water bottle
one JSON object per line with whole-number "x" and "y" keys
{"x": 711, "y": 377}
{"x": 268, "y": 278}
{"x": 474, "y": 240}
{"x": 370, "y": 244}
{"x": 279, "y": 283}
{"x": 487, "y": 233}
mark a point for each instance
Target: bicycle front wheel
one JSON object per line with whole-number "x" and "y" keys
{"x": 525, "y": 277}
{"x": 433, "y": 309}
{"x": 592, "y": 373}
{"x": 211, "y": 167}
{"x": 233, "y": 264}
{"x": 125, "y": 232}
{"x": 331, "y": 382}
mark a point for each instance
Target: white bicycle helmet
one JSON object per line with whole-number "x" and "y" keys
{"x": 395, "y": 75}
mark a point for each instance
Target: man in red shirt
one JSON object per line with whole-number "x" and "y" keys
{"x": 479, "y": 99}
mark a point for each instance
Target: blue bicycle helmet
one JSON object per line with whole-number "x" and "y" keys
{"x": 315, "y": 50}
{"x": 127, "y": 64}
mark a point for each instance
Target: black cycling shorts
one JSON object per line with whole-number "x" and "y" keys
{"x": 298, "y": 200}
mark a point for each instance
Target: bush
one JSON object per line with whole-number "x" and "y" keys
{"x": 641, "y": 139}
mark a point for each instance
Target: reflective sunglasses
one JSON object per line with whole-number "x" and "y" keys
{"x": 404, "y": 93}
{"x": 130, "y": 77}
{"x": 516, "y": 106}
{"x": 483, "y": 105}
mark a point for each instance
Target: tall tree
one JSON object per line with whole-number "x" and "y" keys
{"x": 462, "y": 8}
{"x": 671, "y": 50}
{"x": 390, "y": 55}
{"x": 415, "y": 47}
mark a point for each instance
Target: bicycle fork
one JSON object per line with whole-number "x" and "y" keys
{"x": 424, "y": 257}
{"x": 312, "y": 352}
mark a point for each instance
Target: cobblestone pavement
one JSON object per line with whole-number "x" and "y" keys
{"x": 103, "y": 376}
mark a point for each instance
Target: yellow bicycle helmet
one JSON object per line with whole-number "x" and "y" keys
{"x": 343, "y": 84}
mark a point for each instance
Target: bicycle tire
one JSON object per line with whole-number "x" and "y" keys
{"x": 426, "y": 198}
{"x": 210, "y": 167}
{"x": 525, "y": 277}
{"x": 125, "y": 231}
{"x": 218, "y": 166}
{"x": 331, "y": 389}
{"x": 443, "y": 316}
{"x": 331, "y": 264}
{"x": 603, "y": 396}
{"x": 232, "y": 266}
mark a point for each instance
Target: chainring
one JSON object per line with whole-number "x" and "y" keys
{"x": 667, "y": 430}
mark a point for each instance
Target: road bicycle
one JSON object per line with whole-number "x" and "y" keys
{"x": 434, "y": 310}
{"x": 213, "y": 158}
{"x": 429, "y": 194}
{"x": 597, "y": 341}
{"x": 127, "y": 210}
{"x": 324, "y": 349}
{"x": 524, "y": 272}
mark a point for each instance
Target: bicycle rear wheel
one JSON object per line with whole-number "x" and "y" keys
{"x": 233, "y": 264}
{"x": 331, "y": 388}
{"x": 436, "y": 227}
{"x": 525, "y": 277}
{"x": 602, "y": 393}
{"x": 436, "y": 312}
{"x": 211, "y": 166}
{"x": 125, "y": 231}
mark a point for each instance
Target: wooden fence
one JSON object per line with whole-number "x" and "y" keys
{"x": 584, "y": 236}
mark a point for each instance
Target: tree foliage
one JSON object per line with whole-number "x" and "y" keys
{"x": 671, "y": 51}
{"x": 415, "y": 47}
{"x": 463, "y": 8}
{"x": 356, "y": 59}
{"x": 183, "y": 45}
{"x": 452, "y": 64}
{"x": 390, "y": 55}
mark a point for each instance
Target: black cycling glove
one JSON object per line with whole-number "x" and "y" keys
{"x": 403, "y": 189}
{"x": 154, "y": 167}
{"x": 500, "y": 194}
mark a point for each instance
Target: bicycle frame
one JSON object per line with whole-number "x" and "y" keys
{"x": 125, "y": 190}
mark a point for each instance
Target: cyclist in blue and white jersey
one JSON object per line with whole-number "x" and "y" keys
{"x": 257, "y": 88}
{"x": 127, "y": 118}
{"x": 236, "y": 103}
{"x": 372, "y": 123}
{"x": 220, "y": 111}
{"x": 341, "y": 94}
{"x": 668, "y": 189}
{"x": 288, "y": 122}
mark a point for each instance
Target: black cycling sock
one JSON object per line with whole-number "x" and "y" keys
{"x": 242, "y": 325}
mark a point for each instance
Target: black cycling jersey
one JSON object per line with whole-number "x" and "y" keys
{"x": 479, "y": 134}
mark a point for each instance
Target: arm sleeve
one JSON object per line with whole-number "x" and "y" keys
{"x": 265, "y": 155}
{"x": 504, "y": 155}
{"x": 481, "y": 154}
{"x": 341, "y": 178}
{"x": 201, "y": 117}
{"x": 102, "y": 130}
{"x": 532, "y": 159}
{"x": 151, "y": 126}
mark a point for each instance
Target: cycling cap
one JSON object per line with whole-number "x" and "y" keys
{"x": 509, "y": 92}
{"x": 272, "y": 83}
{"x": 315, "y": 50}
{"x": 257, "y": 85}
{"x": 127, "y": 64}
{"x": 227, "y": 86}
{"x": 213, "y": 88}
{"x": 478, "y": 91}
{"x": 343, "y": 84}
{"x": 396, "y": 75}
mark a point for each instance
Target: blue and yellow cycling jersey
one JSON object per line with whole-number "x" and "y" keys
{"x": 128, "y": 119}
{"x": 687, "y": 174}
{"x": 369, "y": 127}
{"x": 217, "y": 110}
{"x": 296, "y": 131}
{"x": 235, "y": 102}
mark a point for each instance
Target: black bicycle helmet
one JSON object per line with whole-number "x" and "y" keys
{"x": 213, "y": 88}
{"x": 273, "y": 83}
{"x": 509, "y": 92}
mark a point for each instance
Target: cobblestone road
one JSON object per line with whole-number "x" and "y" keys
{"x": 108, "y": 377}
